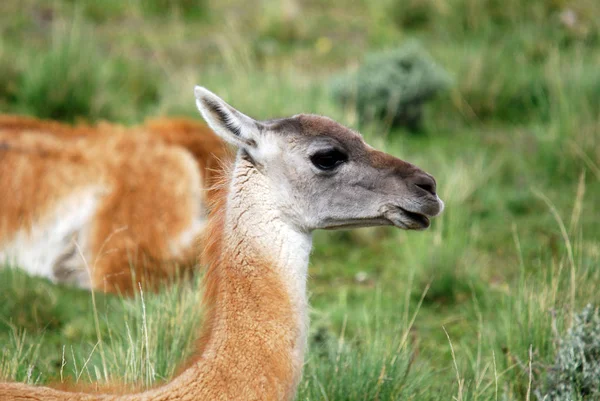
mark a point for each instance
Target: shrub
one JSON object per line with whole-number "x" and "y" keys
{"x": 393, "y": 86}
{"x": 9, "y": 76}
{"x": 63, "y": 82}
{"x": 576, "y": 371}
{"x": 75, "y": 78}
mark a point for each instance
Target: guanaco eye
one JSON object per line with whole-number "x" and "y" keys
{"x": 329, "y": 159}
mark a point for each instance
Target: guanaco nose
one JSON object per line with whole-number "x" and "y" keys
{"x": 425, "y": 182}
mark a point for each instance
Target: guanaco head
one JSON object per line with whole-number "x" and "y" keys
{"x": 323, "y": 174}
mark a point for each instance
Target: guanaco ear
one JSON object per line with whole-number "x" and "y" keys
{"x": 230, "y": 124}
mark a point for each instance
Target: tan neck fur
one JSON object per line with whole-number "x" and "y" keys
{"x": 255, "y": 335}
{"x": 257, "y": 293}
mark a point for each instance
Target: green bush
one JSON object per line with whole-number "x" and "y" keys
{"x": 63, "y": 82}
{"x": 9, "y": 76}
{"x": 576, "y": 371}
{"x": 76, "y": 78}
{"x": 393, "y": 86}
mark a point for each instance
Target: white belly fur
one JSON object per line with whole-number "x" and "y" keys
{"x": 39, "y": 249}
{"x": 184, "y": 240}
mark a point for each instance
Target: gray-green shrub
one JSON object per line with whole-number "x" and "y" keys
{"x": 392, "y": 86}
{"x": 575, "y": 374}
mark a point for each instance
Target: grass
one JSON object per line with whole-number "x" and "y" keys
{"x": 472, "y": 308}
{"x": 110, "y": 339}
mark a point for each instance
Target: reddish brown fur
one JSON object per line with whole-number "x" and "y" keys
{"x": 259, "y": 299}
{"x": 144, "y": 169}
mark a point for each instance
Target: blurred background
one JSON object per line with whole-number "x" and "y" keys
{"x": 499, "y": 100}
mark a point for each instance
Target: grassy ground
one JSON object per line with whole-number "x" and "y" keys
{"x": 471, "y": 309}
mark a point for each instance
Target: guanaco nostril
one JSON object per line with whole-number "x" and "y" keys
{"x": 427, "y": 183}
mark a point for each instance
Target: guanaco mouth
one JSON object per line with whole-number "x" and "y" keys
{"x": 407, "y": 219}
{"x": 419, "y": 218}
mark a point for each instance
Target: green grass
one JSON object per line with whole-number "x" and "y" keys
{"x": 514, "y": 146}
{"x": 69, "y": 333}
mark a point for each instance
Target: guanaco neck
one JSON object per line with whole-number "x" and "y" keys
{"x": 255, "y": 333}
{"x": 256, "y": 295}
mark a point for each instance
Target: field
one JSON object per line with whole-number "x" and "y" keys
{"x": 472, "y": 309}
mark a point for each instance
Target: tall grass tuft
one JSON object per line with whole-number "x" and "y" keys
{"x": 368, "y": 365}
